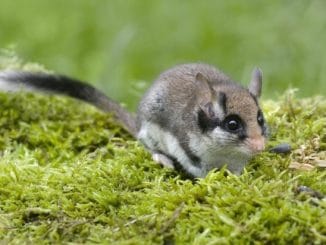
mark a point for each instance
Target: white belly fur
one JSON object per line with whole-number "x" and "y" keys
{"x": 214, "y": 156}
{"x": 157, "y": 139}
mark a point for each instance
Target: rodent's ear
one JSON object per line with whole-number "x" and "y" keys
{"x": 255, "y": 85}
{"x": 205, "y": 97}
{"x": 208, "y": 110}
{"x": 204, "y": 91}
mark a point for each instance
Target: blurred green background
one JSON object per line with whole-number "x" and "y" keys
{"x": 121, "y": 46}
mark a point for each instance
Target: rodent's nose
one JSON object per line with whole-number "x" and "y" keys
{"x": 257, "y": 144}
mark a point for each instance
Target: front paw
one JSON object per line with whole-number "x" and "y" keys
{"x": 163, "y": 160}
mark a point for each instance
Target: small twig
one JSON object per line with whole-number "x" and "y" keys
{"x": 173, "y": 218}
{"x": 134, "y": 221}
{"x": 290, "y": 104}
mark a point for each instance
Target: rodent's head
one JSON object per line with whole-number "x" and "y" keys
{"x": 230, "y": 117}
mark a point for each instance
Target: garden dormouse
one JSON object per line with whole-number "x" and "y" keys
{"x": 193, "y": 118}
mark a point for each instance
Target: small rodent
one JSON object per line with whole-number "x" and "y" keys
{"x": 193, "y": 118}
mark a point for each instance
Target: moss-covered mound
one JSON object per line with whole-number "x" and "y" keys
{"x": 69, "y": 173}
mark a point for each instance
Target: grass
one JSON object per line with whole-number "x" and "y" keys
{"x": 121, "y": 46}
{"x": 69, "y": 173}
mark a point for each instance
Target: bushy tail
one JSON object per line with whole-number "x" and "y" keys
{"x": 16, "y": 81}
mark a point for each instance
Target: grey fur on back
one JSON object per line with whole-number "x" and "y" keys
{"x": 167, "y": 103}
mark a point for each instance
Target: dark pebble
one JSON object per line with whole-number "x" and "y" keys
{"x": 309, "y": 191}
{"x": 281, "y": 148}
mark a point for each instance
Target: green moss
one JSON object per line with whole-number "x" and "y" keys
{"x": 69, "y": 173}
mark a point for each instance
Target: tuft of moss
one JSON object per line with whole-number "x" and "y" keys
{"x": 69, "y": 173}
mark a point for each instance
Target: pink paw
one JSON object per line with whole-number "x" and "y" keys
{"x": 163, "y": 160}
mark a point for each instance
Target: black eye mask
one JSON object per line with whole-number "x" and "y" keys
{"x": 262, "y": 123}
{"x": 206, "y": 123}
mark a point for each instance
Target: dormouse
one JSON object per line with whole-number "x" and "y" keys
{"x": 193, "y": 118}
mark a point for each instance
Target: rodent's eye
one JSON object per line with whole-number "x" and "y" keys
{"x": 260, "y": 118}
{"x": 233, "y": 123}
